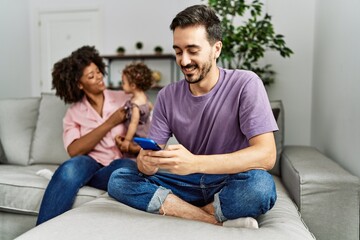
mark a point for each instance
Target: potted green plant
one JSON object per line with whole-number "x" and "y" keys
{"x": 138, "y": 46}
{"x": 120, "y": 50}
{"x": 158, "y": 50}
{"x": 245, "y": 45}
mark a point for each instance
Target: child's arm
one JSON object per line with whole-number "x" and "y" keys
{"x": 134, "y": 122}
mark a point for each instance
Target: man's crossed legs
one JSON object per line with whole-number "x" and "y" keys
{"x": 230, "y": 200}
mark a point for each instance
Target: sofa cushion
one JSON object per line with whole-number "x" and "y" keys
{"x": 278, "y": 111}
{"x": 119, "y": 221}
{"x": 21, "y": 190}
{"x": 17, "y": 123}
{"x": 48, "y": 144}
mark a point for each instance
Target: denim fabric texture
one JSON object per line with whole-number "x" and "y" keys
{"x": 236, "y": 195}
{"x": 69, "y": 178}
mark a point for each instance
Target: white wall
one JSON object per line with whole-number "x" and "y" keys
{"x": 124, "y": 23}
{"x": 295, "y": 20}
{"x": 14, "y": 49}
{"x": 336, "y": 84}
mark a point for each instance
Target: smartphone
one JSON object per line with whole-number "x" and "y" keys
{"x": 147, "y": 143}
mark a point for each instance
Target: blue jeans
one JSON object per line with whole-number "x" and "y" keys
{"x": 247, "y": 194}
{"x": 69, "y": 178}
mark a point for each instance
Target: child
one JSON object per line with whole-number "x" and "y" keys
{"x": 136, "y": 79}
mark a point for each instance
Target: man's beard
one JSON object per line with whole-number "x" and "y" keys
{"x": 204, "y": 70}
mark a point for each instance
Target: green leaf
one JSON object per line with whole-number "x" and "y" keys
{"x": 245, "y": 44}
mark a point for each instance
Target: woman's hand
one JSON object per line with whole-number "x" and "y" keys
{"x": 122, "y": 143}
{"x": 117, "y": 117}
{"x": 118, "y": 140}
{"x": 125, "y": 146}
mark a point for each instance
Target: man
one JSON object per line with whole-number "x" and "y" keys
{"x": 224, "y": 124}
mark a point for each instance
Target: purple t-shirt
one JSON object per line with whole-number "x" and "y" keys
{"x": 221, "y": 121}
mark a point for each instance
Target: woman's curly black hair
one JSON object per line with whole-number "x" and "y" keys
{"x": 68, "y": 71}
{"x": 139, "y": 74}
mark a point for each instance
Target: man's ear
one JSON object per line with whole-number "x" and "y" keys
{"x": 218, "y": 47}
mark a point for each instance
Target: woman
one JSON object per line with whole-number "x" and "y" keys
{"x": 90, "y": 126}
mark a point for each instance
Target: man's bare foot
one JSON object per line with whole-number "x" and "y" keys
{"x": 174, "y": 206}
{"x": 245, "y": 222}
{"x": 209, "y": 209}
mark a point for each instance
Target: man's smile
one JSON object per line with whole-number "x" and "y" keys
{"x": 189, "y": 69}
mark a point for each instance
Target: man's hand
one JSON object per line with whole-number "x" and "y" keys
{"x": 144, "y": 163}
{"x": 175, "y": 159}
{"x": 261, "y": 154}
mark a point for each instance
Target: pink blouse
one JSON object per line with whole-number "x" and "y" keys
{"x": 81, "y": 118}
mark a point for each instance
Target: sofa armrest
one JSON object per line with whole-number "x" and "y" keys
{"x": 326, "y": 194}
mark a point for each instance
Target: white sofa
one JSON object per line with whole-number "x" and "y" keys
{"x": 316, "y": 197}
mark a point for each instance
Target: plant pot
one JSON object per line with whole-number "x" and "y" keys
{"x": 121, "y": 53}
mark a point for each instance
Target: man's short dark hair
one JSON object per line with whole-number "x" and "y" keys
{"x": 200, "y": 15}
